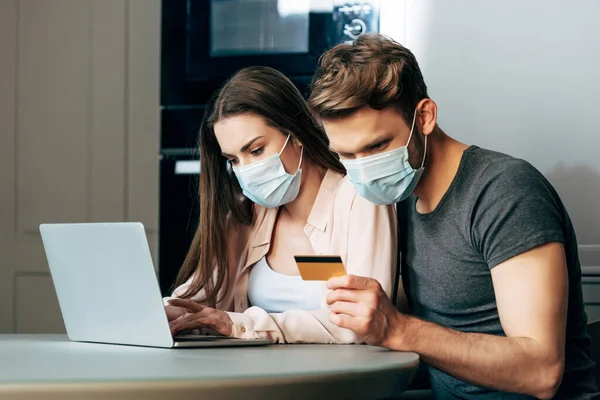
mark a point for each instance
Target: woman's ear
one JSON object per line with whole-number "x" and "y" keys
{"x": 295, "y": 142}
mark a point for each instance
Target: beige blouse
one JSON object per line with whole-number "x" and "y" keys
{"x": 340, "y": 223}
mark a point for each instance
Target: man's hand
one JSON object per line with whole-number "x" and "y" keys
{"x": 361, "y": 305}
{"x": 199, "y": 317}
{"x": 531, "y": 292}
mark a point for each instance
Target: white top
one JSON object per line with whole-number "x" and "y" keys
{"x": 275, "y": 292}
{"x": 340, "y": 223}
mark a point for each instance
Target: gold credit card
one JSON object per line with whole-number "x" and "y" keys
{"x": 320, "y": 268}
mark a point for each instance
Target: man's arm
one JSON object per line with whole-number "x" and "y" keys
{"x": 531, "y": 294}
{"x": 531, "y": 291}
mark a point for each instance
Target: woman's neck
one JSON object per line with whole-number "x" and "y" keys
{"x": 312, "y": 176}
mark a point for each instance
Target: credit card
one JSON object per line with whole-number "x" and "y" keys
{"x": 320, "y": 267}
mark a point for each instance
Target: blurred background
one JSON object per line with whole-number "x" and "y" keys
{"x": 100, "y": 102}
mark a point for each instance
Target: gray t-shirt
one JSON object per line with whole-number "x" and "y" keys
{"x": 496, "y": 208}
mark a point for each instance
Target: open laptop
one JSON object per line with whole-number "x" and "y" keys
{"x": 107, "y": 287}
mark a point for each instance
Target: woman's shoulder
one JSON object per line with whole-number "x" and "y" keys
{"x": 350, "y": 209}
{"x": 262, "y": 218}
{"x": 237, "y": 228}
{"x": 242, "y": 235}
{"x": 260, "y": 215}
{"x": 345, "y": 193}
{"x": 346, "y": 188}
{"x": 346, "y": 201}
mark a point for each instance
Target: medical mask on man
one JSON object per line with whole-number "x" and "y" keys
{"x": 266, "y": 183}
{"x": 385, "y": 178}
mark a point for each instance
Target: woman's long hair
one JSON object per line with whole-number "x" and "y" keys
{"x": 267, "y": 93}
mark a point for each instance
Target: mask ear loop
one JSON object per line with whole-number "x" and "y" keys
{"x": 412, "y": 127}
{"x": 424, "y": 152}
{"x": 285, "y": 144}
{"x": 301, "y": 152}
{"x": 410, "y": 136}
{"x": 301, "y": 156}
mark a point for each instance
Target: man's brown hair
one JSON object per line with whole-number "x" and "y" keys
{"x": 374, "y": 70}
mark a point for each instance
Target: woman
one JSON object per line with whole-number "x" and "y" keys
{"x": 270, "y": 189}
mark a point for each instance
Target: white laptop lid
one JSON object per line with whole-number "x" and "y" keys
{"x": 106, "y": 284}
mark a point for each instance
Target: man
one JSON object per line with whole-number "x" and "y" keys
{"x": 490, "y": 268}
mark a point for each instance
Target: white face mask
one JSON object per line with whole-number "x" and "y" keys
{"x": 266, "y": 183}
{"x": 385, "y": 178}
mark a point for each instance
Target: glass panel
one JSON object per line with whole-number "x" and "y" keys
{"x": 353, "y": 18}
{"x": 250, "y": 27}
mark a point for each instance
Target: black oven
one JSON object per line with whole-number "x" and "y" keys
{"x": 206, "y": 41}
{"x": 179, "y": 207}
{"x": 203, "y": 43}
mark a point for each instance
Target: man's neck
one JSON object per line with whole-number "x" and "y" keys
{"x": 444, "y": 155}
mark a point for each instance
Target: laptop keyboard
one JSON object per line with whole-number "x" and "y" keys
{"x": 199, "y": 338}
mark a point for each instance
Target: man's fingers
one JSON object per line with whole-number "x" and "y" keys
{"x": 346, "y": 282}
{"x": 348, "y": 308}
{"x": 188, "y": 304}
{"x": 369, "y": 298}
{"x": 352, "y": 282}
{"x": 355, "y": 324}
{"x": 352, "y": 296}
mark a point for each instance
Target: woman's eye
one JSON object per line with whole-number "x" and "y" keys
{"x": 257, "y": 152}
{"x": 233, "y": 161}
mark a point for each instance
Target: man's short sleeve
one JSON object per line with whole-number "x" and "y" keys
{"x": 515, "y": 210}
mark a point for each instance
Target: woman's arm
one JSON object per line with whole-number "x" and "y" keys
{"x": 181, "y": 289}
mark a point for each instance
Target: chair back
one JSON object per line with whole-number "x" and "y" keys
{"x": 593, "y": 329}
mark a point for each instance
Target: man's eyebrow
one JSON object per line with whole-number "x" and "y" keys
{"x": 386, "y": 137}
{"x": 340, "y": 152}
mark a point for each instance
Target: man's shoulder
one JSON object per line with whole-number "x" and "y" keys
{"x": 488, "y": 170}
{"x": 484, "y": 163}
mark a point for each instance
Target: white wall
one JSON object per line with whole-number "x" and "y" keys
{"x": 79, "y": 134}
{"x": 521, "y": 77}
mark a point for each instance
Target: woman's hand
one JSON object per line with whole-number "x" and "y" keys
{"x": 175, "y": 312}
{"x": 199, "y": 316}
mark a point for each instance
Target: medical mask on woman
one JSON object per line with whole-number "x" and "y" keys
{"x": 266, "y": 183}
{"x": 385, "y": 178}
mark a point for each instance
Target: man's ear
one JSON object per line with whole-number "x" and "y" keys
{"x": 426, "y": 116}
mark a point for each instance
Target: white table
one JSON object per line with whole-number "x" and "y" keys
{"x": 51, "y": 367}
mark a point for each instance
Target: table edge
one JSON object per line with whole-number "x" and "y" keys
{"x": 195, "y": 384}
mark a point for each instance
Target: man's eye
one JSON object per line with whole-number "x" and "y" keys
{"x": 257, "y": 152}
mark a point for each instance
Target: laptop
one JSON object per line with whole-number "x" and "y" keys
{"x": 107, "y": 288}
